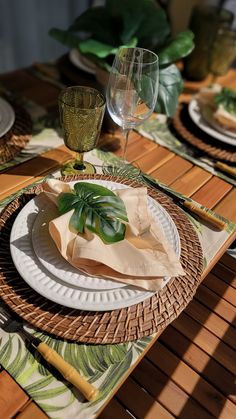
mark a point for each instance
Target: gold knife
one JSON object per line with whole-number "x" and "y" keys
{"x": 193, "y": 207}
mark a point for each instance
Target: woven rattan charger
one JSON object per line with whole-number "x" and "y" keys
{"x": 17, "y": 137}
{"x": 186, "y": 128}
{"x": 121, "y": 325}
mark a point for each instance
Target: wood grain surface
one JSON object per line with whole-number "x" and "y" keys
{"x": 189, "y": 371}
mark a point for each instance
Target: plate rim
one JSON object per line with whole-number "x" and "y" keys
{"x": 9, "y": 111}
{"x": 196, "y": 115}
{"x": 74, "y": 57}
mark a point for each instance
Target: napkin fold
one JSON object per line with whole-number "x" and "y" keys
{"x": 142, "y": 259}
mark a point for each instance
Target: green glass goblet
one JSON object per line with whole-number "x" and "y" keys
{"x": 223, "y": 53}
{"x": 81, "y": 114}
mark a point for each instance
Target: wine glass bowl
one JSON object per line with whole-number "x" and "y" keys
{"x": 81, "y": 114}
{"x": 132, "y": 89}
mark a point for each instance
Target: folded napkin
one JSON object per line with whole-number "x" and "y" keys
{"x": 142, "y": 259}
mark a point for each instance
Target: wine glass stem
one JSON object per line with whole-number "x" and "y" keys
{"x": 79, "y": 162}
{"x": 126, "y": 135}
{"x": 213, "y": 78}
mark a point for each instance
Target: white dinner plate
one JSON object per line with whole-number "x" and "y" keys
{"x": 85, "y": 65}
{"x": 204, "y": 120}
{"x": 55, "y": 279}
{"x": 7, "y": 116}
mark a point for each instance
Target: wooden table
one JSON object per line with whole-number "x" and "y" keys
{"x": 162, "y": 164}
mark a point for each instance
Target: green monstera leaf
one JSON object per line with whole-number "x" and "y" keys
{"x": 96, "y": 208}
{"x": 142, "y": 23}
{"x": 170, "y": 86}
{"x": 65, "y": 37}
{"x": 177, "y": 48}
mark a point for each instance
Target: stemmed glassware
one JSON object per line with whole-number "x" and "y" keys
{"x": 132, "y": 88}
{"x": 81, "y": 114}
{"x": 223, "y": 53}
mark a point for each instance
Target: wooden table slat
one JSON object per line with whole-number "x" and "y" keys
{"x": 212, "y": 192}
{"x": 31, "y": 411}
{"x": 12, "y": 397}
{"x": 165, "y": 391}
{"x": 190, "y": 381}
{"x": 141, "y": 403}
{"x": 207, "y": 341}
{"x": 154, "y": 159}
{"x": 172, "y": 170}
{"x": 199, "y": 361}
{"x": 115, "y": 410}
{"x": 192, "y": 181}
{"x": 216, "y": 304}
{"x": 227, "y": 206}
{"x": 226, "y": 275}
{"x": 221, "y": 288}
{"x": 212, "y": 322}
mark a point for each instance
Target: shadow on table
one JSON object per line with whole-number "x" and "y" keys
{"x": 189, "y": 368}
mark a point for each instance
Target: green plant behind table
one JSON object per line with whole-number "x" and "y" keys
{"x": 132, "y": 23}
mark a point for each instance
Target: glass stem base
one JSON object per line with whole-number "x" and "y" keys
{"x": 78, "y": 166}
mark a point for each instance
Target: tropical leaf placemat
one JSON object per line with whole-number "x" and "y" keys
{"x": 46, "y": 133}
{"x": 157, "y": 129}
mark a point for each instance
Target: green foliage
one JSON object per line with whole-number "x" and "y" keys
{"x": 140, "y": 23}
{"x": 227, "y": 98}
{"x": 96, "y": 208}
{"x": 170, "y": 86}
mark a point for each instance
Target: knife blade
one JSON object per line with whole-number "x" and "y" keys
{"x": 191, "y": 206}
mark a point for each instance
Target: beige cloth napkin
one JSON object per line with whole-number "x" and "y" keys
{"x": 142, "y": 259}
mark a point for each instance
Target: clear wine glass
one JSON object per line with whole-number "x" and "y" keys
{"x": 132, "y": 88}
{"x": 81, "y": 113}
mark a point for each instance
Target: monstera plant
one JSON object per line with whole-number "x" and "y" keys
{"x": 141, "y": 23}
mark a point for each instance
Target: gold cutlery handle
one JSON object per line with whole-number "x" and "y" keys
{"x": 204, "y": 215}
{"x": 67, "y": 371}
{"x": 225, "y": 168}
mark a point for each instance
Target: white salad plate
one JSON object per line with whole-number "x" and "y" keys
{"x": 75, "y": 58}
{"x": 205, "y": 121}
{"x": 7, "y": 116}
{"x": 40, "y": 264}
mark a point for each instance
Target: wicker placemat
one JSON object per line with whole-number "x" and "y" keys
{"x": 115, "y": 326}
{"x": 17, "y": 137}
{"x": 184, "y": 126}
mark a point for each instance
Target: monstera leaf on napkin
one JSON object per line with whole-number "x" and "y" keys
{"x": 96, "y": 208}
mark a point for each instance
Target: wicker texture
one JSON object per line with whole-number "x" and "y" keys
{"x": 184, "y": 126}
{"x": 17, "y": 137}
{"x": 115, "y": 326}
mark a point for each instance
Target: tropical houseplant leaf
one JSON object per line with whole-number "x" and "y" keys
{"x": 176, "y": 48}
{"x": 170, "y": 86}
{"x": 116, "y": 24}
{"x": 96, "y": 208}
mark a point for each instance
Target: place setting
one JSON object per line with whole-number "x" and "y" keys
{"x": 206, "y": 125}
{"x": 15, "y": 129}
{"x": 98, "y": 258}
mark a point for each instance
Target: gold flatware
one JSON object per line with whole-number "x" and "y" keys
{"x": 191, "y": 206}
{"x": 226, "y": 168}
{"x": 50, "y": 355}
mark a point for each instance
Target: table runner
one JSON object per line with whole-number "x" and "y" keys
{"x": 156, "y": 129}
{"x": 102, "y": 365}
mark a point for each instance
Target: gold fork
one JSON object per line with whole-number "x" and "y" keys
{"x": 50, "y": 355}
